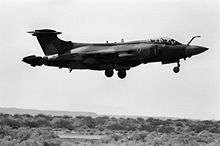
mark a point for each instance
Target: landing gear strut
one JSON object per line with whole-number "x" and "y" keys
{"x": 122, "y": 74}
{"x": 109, "y": 73}
{"x": 176, "y": 69}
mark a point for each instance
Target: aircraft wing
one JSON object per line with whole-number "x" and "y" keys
{"x": 98, "y": 54}
{"x": 109, "y": 52}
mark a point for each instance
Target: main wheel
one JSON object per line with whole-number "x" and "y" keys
{"x": 122, "y": 74}
{"x": 176, "y": 69}
{"x": 109, "y": 73}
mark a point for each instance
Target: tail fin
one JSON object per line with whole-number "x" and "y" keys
{"x": 49, "y": 41}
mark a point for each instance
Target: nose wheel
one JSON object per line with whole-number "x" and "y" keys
{"x": 176, "y": 69}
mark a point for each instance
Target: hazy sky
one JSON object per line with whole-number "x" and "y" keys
{"x": 148, "y": 90}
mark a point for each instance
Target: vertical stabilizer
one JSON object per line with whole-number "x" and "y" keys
{"x": 48, "y": 41}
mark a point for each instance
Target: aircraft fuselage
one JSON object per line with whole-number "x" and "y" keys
{"x": 109, "y": 56}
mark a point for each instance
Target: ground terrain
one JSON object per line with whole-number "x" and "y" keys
{"x": 47, "y": 130}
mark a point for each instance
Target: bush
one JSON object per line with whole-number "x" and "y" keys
{"x": 61, "y": 123}
{"x": 116, "y": 137}
{"x": 166, "y": 129}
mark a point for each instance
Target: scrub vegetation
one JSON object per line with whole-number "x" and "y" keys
{"x": 21, "y": 130}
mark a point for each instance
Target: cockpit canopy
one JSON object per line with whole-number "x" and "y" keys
{"x": 166, "y": 41}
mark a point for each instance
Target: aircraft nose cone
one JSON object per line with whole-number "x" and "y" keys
{"x": 194, "y": 50}
{"x": 203, "y": 49}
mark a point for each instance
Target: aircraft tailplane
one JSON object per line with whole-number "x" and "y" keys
{"x": 50, "y": 43}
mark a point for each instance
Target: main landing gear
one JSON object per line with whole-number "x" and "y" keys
{"x": 109, "y": 73}
{"x": 176, "y": 69}
{"x": 121, "y": 73}
{"x": 70, "y": 69}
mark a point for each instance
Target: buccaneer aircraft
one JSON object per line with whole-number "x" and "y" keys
{"x": 109, "y": 56}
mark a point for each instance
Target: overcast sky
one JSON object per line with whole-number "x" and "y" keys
{"x": 148, "y": 90}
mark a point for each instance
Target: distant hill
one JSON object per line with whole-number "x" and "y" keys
{"x": 13, "y": 111}
{"x": 144, "y": 117}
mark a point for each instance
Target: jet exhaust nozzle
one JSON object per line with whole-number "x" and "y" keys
{"x": 33, "y": 60}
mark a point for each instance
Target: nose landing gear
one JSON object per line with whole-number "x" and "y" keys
{"x": 176, "y": 69}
